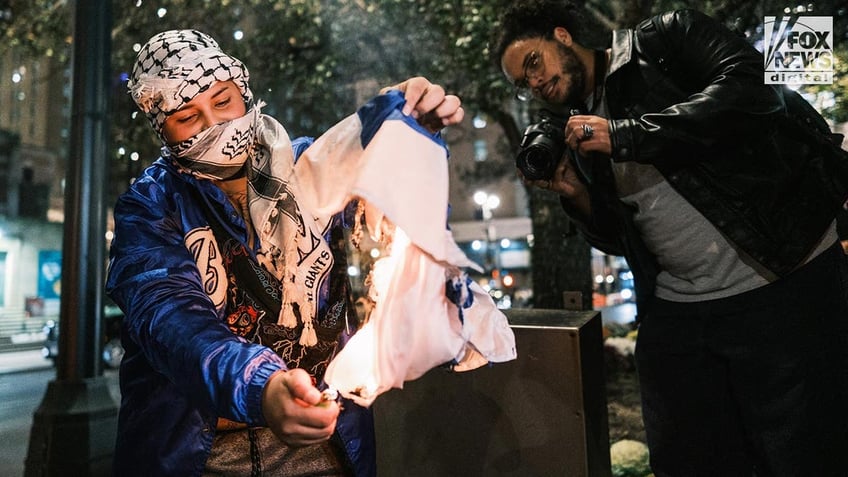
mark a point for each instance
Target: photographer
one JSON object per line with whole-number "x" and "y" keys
{"x": 721, "y": 192}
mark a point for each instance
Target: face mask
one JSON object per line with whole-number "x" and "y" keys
{"x": 218, "y": 152}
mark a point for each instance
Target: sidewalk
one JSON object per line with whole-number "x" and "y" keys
{"x": 17, "y": 361}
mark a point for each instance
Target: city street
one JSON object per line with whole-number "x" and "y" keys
{"x": 23, "y": 382}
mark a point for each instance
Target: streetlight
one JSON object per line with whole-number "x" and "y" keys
{"x": 488, "y": 202}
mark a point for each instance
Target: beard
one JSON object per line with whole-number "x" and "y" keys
{"x": 573, "y": 71}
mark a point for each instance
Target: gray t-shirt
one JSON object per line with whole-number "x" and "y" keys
{"x": 697, "y": 261}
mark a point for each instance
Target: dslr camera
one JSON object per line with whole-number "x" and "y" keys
{"x": 542, "y": 146}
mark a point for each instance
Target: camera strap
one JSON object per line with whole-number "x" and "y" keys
{"x": 583, "y": 166}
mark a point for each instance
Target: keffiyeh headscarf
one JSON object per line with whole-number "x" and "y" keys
{"x": 171, "y": 69}
{"x": 175, "y": 66}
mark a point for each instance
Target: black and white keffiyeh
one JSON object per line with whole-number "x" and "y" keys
{"x": 175, "y": 66}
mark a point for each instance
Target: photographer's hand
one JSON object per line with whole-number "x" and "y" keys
{"x": 566, "y": 183}
{"x": 586, "y": 134}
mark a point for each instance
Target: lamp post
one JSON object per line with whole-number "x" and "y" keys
{"x": 488, "y": 203}
{"x": 74, "y": 427}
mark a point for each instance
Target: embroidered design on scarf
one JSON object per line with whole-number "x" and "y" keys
{"x": 293, "y": 246}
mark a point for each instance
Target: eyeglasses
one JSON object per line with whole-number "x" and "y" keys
{"x": 533, "y": 65}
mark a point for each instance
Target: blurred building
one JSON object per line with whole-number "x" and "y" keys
{"x": 34, "y": 94}
{"x": 33, "y": 147}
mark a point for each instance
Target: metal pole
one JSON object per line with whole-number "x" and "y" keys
{"x": 74, "y": 427}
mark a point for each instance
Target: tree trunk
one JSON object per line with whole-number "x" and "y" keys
{"x": 561, "y": 258}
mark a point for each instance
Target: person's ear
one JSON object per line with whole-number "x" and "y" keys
{"x": 563, "y": 36}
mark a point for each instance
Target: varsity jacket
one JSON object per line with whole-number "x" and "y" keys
{"x": 687, "y": 96}
{"x": 183, "y": 367}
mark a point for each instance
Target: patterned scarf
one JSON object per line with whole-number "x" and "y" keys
{"x": 174, "y": 67}
{"x": 218, "y": 152}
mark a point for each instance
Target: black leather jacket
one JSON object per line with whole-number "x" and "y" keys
{"x": 687, "y": 95}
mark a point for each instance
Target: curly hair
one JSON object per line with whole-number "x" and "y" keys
{"x": 534, "y": 18}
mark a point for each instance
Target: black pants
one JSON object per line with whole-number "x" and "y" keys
{"x": 755, "y": 384}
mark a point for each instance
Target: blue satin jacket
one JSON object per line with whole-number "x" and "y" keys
{"x": 183, "y": 368}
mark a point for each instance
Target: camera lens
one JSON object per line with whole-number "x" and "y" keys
{"x": 537, "y": 162}
{"x": 541, "y": 148}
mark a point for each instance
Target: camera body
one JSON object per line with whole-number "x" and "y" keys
{"x": 541, "y": 148}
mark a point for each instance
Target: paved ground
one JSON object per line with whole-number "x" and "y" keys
{"x": 24, "y": 378}
{"x": 17, "y": 361}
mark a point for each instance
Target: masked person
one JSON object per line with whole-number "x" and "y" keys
{"x": 721, "y": 192}
{"x": 235, "y": 299}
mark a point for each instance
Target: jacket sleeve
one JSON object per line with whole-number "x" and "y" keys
{"x": 154, "y": 278}
{"x": 721, "y": 78}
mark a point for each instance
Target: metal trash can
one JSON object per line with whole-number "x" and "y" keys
{"x": 543, "y": 414}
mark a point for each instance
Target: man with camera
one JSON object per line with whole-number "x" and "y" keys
{"x": 721, "y": 192}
